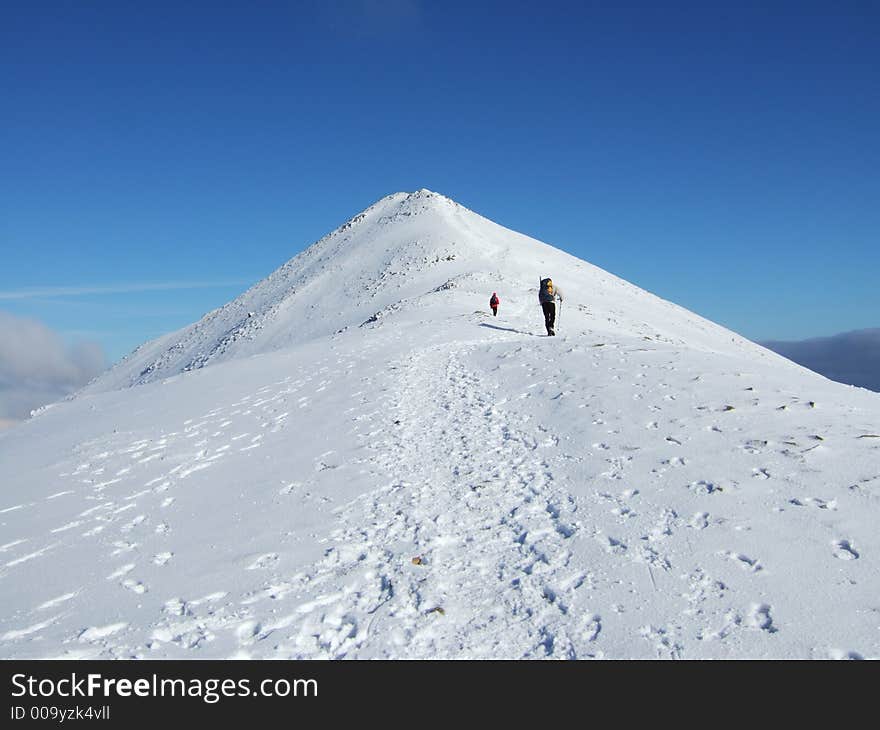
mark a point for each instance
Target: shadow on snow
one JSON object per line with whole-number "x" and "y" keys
{"x": 506, "y": 329}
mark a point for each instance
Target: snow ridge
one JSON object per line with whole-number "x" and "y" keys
{"x": 383, "y": 469}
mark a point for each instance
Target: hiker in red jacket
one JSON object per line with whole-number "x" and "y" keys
{"x": 494, "y": 302}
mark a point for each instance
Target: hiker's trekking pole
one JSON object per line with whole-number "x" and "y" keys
{"x": 560, "y": 312}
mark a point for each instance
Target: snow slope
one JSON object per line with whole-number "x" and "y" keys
{"x": 372, "y": 466}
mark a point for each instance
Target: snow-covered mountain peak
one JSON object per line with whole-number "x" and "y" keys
{"x": 406, "y": 204}
{"x": 409, "y": 255}
{"x": 401, "y": 206}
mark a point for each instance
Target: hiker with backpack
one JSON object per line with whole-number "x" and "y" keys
{"x": 548, "y": 293}
{"x": 493, "y": 303}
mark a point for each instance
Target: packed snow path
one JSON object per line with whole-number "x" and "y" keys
{"x": 463, "y": 540}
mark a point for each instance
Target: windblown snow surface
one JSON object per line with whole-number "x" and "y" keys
{"x": 373, "y": 466}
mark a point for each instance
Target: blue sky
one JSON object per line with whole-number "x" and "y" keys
{"x": 159, "y": 158}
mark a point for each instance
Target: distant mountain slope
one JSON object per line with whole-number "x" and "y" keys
{"x": 851, "y": 357}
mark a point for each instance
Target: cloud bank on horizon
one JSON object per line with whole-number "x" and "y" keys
{"x": 850, "y": 357}
{"x": 38, "y": 367}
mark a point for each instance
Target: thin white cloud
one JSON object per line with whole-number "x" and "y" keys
{"x": 77, "y": 291}
{"x": 38, "y": 367}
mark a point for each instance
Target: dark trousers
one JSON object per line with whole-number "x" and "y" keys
{"x": 549, "y": 314}
{"x": 494, "y": 311}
